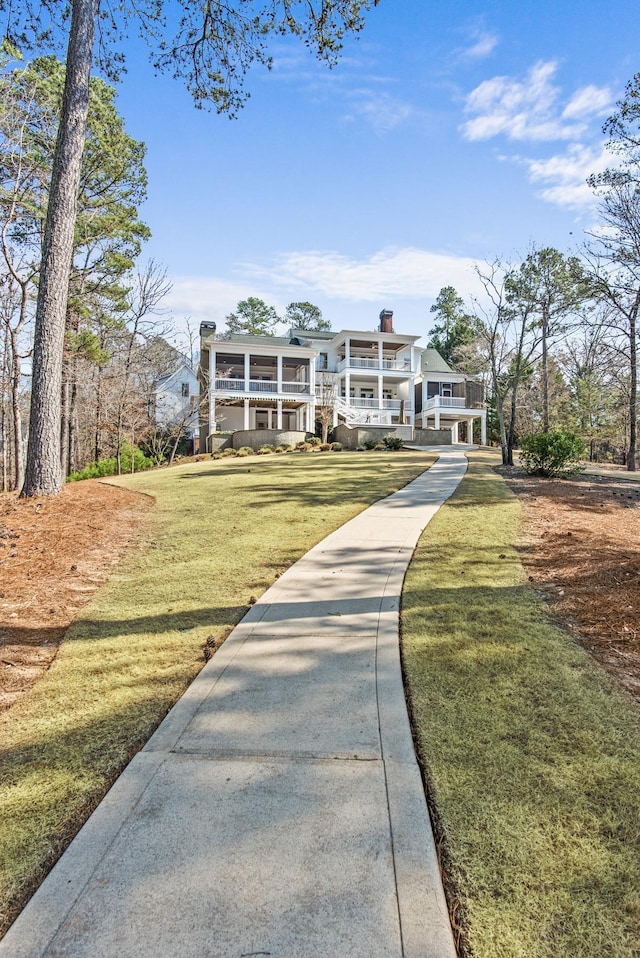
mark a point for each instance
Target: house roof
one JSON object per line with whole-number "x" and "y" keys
{"x": 256, "y": 340}
{"x": 312, "y": 333}
{"x": 432, "y": 362}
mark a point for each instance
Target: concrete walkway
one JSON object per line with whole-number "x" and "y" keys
{"x": 278, "y": 810}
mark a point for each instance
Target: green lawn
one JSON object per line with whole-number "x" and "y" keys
{"x": 220, "y": 534}
{"x": 531, "y": 755}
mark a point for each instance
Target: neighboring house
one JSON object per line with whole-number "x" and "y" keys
{"x": 446, "y": 398}
{"x": 280, "y": 382}
{"x": 177, "y": 397}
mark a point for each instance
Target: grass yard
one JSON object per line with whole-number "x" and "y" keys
{"x": 531, "y": 755}
{"x": 220, "y": 534}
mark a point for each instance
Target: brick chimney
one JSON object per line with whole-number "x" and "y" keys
{"x": 386, "y": 321}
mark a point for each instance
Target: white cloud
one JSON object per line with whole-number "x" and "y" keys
{"x": 205, "y": 298}
{"x": 383, "y": 111}
{"x": 529, "y": 109}
{"x": 565, "y": 175}
{"x": 589, "y": 101}
{"x": 391, "y": 272}
{"x": 483, "y": 46}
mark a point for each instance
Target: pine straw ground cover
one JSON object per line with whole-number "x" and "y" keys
{"x": 531, "y": 753}
{"x": 220, "y": 533}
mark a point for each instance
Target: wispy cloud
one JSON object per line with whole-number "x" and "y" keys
{"x": 531, "y": 109}
{"x": 359, "y": 92}
{"x": 391, "y": 272}
{"x": 383, "y": 111}
{"x": 205, "y": 298}
{"x": 564, "y": 175}
{"x": 483, "y": 45}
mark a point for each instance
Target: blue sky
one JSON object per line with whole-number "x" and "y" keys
{"x": 447, "y": 135}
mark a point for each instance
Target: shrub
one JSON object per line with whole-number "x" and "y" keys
{"x": 325, "y": 447}
{"x": 244, "y": 451}
{"x": 314, "y": 440}
{"x": 393, "y": 442}
{"x": 337, "y": 446}
{"x": 280, "y": 448}
{"x": 265, "y": 449}
{"x": 370, "y": 444}
{"x": 359, "y": 448}
{"x": 109, "y": 467}
{"x": 552, "y": 454}
{"x": 226, "y": 453}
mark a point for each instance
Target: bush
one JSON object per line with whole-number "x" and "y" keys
{"x": 337, "y": 446}
{"x": 325, "y": 447}
{"x": 552, "y": 454}
{"x": 244, "y": 451}
{"x": 370, "y": 444}
{"x": 265, "y": 449}
{"x": 314, "y": 441}
{"x": 227, "y": 453}
{"x": 393, "y": 442}
{"x": 109, "y": 467}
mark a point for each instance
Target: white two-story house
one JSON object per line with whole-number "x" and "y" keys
{"x": 257, "y": 382}
{"x": 373, "y": 373}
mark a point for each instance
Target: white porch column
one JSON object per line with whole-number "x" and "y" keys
{"x": 436, "y": 418}
{"x": 246, "y": 414}
{"x": 483, "y": 429}
{"x": 347, "y": 350}
{"x": 454, "y": 433}
{"x": 312, "y": 375}
{"x": 279, "y": 413}
{"x": 347, "y": 388}
{"x": 247, "y": 371}
{"x": 279, "y": 372}
{"x": 380, "y": 381}
{"x": 380, "y": 353}
{"x": 470, "y": 430}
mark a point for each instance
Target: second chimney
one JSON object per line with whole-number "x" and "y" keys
{"x": 386, "y": 321}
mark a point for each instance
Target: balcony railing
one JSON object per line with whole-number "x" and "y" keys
{"x": 457, "y": 402}
{"x": 361, "y": 403}
{"x": 260, "y": 386}
{"x": 356, "y": 362}
{"x": 296, "y": 387}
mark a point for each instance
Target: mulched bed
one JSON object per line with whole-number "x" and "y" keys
{"x": 582, "y": 552}
{"x": 54, "y": 553}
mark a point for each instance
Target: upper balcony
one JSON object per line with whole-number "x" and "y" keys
{"x": 449, "y": 402}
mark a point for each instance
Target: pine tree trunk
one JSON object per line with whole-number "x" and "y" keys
{"x": 44, "y": 474}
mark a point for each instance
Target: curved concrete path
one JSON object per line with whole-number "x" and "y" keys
{"x": 278, "y": 810}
